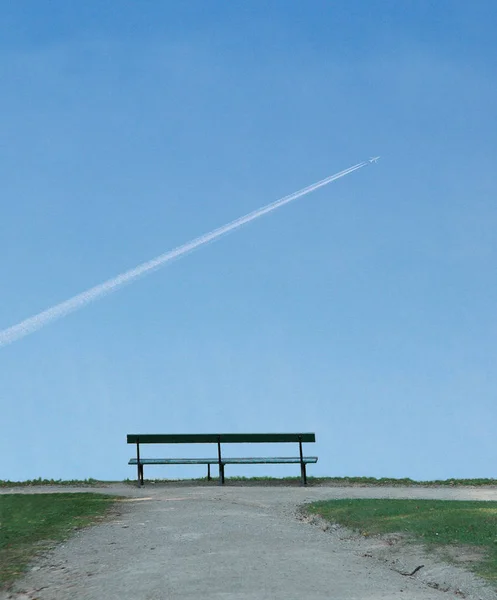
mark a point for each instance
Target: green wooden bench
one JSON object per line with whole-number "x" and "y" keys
{"x": 221, "y": 461}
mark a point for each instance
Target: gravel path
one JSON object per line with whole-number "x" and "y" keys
{"x": 239, "y": 542}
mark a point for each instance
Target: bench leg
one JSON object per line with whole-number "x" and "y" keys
{"x": 221, "y": 474}
{"x": 208, "y": 472}
{"x": 303, "y": 474}
{"x": 138, "y": 479}
{"x": 141, "y": 475}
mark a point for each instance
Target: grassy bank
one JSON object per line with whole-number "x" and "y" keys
{"x": 335, "y": 481}
{"x": 435, "y": 523}
{"x": 30, "y": 524}
{"x": 5, "y": 483}
{"x": 332, "y": 481}
{"x": 406, "y": 481}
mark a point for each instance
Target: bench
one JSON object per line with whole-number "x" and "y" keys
{"x": 220, "y": 460}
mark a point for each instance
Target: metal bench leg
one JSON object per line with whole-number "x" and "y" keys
{"x": 208, "y": 472}
{"x": 303, "y": 474}
{"x": 138, "y": 462}
{"x": 141, "y": 474}
{"x": 219, "y": 461}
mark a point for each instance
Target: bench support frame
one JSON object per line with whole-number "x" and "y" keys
{"x": 221, "y": 464}
{"x": 303, "y": 475}
{"x": 139, "y": 466}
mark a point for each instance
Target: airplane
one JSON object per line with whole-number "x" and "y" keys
{"x": 374, "y": 159}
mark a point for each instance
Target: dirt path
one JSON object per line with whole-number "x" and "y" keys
{"x": 240, "y": 542}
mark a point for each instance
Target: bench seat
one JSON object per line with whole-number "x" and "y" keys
{"x": 282, "y": 460}
{"x": 258, "y": 460}
{"x": 174, "y": 461}
{"x": 220, "y": 460}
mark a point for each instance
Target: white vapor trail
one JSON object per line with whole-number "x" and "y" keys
{"x": 32, "y": 324}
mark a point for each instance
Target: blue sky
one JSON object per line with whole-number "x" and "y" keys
{"x": 364, "y": 312}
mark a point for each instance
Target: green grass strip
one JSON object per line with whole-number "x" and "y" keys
{"x": 356, "y": 481}
{"x": 435, "y": 523}
{"x": 406, "y": 481}
{"x": 32, "y": 523}
{"x": 67, "y": 482}
{"x": 338, "y": 481}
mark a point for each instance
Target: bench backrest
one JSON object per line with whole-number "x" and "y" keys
{"x": 214, "y": 438}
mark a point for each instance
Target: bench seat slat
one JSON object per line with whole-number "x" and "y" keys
{"x": 268, "y": 460}
{"x": 174, "y": 461}
{"x": 259, "y": 460}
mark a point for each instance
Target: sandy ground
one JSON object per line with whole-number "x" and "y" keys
{"x": 241, "y": 542}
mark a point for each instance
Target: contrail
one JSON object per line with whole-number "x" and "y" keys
{"x": 32, "y": 324}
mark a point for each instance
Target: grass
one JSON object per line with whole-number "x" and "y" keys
{"x": 338, "y": 481}
{"x": 32, "y": 523}
{"x": 437, "y": 524}
{"x": 335, "y": 481}
{"x": 406, "y": 481}
{"x": 215, "y": 479}
{"x": 67, "y": 482}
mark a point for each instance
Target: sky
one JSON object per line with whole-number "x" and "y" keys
{"x": 364, "y": 312}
